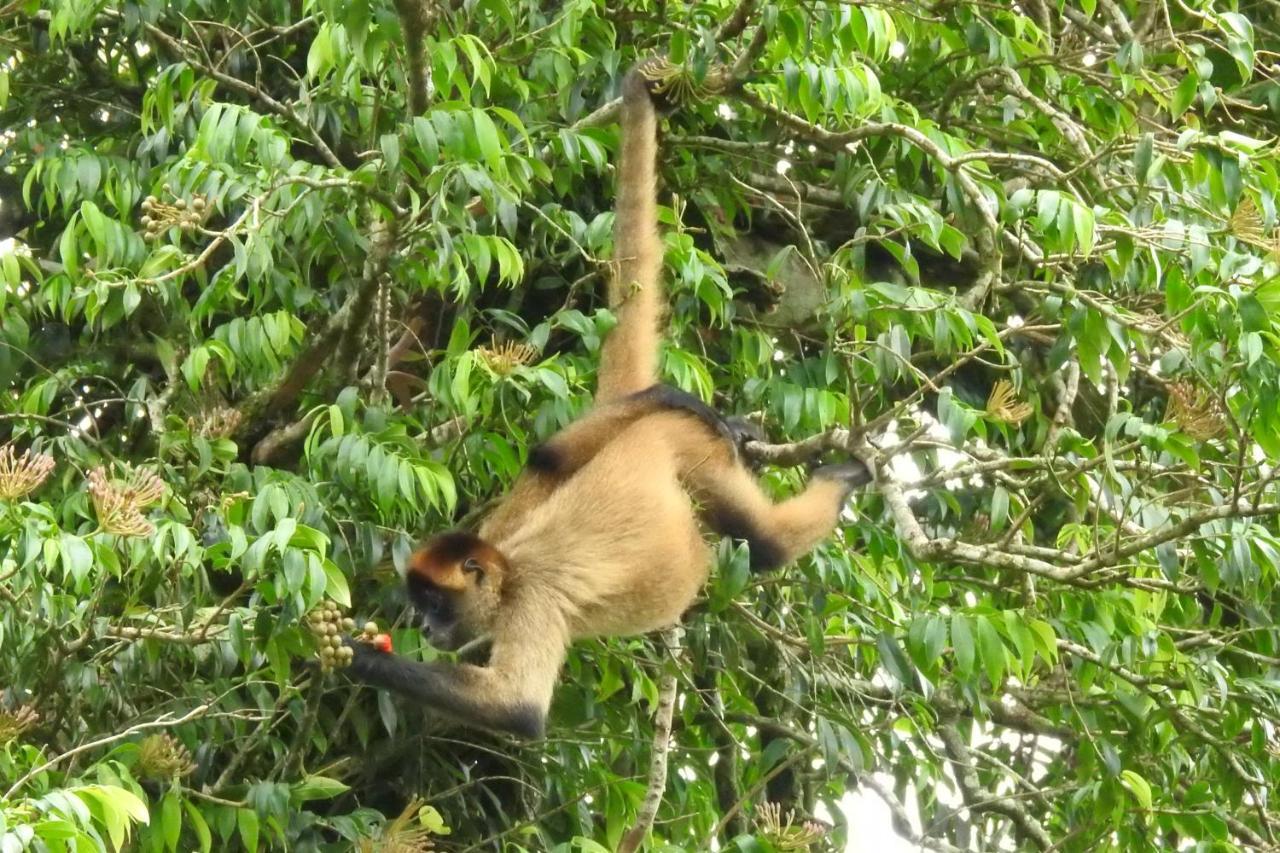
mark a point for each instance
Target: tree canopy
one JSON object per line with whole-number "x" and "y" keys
{"x": 287, "y": 286}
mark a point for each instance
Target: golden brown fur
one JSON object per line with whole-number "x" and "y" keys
{"x": 602, "y": 535}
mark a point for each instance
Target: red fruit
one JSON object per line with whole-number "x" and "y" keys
{"x": 382, "y": 642}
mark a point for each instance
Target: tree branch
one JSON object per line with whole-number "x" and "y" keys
{"x": 661, "y": 744}
{"x": 979, "y": 800}
{"x": 415, "y": 18}
{"x": 162, "y": 722}
{"x": 382, "y": 242}
{"x": 901, "y": 820}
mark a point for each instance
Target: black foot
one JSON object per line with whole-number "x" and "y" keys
{"x": 852, "y": 474}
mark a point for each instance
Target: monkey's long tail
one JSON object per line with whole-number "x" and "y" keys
{"x": 629, "y": 359}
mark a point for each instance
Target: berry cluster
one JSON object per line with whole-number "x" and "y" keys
{"x": 328, "y": 624}
{"x": 159, "y": 216}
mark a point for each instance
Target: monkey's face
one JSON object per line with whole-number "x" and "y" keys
{"x": 437, "y": 611}
{"x": 452, "y": 584}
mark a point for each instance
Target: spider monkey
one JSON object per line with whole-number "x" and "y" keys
{"x": 599, "y": 536}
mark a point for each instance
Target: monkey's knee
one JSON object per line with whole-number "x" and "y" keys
{"x": 524, "y": 721}
{"x": 547, "y": 458}
{"x": 768, "y": 552}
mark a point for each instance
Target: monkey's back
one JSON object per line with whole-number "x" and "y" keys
{"x": 619, "y": 543}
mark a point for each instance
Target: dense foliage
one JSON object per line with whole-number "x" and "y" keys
{"x": 287, "y": 286}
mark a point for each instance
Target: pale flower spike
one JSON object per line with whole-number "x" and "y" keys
{"x": 22, "y": 475}
{"x": 119, "y": 505}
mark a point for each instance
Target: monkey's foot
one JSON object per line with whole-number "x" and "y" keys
{"x": 852, "y": 474}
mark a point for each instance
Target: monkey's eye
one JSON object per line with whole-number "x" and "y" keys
{"x": 472, "y": 567}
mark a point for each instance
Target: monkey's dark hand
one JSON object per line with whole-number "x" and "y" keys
{"x": 742, "y": 432}
{"x": 364, "y": 658}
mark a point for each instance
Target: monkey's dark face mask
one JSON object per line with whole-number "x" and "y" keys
{"x": 450, "y": 618}
{"x": 437, "y": 613}
{"x": 452, "y": 582}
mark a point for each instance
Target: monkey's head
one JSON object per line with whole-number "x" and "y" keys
{"x": 454, "y": 584}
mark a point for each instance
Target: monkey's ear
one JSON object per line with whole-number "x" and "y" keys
{"x": 472, "y": 566}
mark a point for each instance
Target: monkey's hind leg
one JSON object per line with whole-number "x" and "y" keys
{"x": 777, "y": 533}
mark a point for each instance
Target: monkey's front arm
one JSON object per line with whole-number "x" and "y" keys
{"x": 476, "y": 695}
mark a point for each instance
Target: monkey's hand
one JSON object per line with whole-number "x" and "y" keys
{"x": 742, "y": 432}
{"x": 363, "y": 658}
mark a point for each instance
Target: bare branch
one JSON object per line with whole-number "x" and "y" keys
{"x": 415, "y": 17}
{"x": 979, "y": 800}
{"x": 661, "y": 744}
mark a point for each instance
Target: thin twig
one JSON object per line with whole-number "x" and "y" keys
{"x": 163, "y": 722}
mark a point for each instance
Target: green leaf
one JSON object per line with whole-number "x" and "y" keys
{"x": 1137, "y": 786}
{"x": 390, "y": 145}
{"x": 171, "y": 818}
{"x": 320, "y": 54}
{"x": 962, "y": 644}
{"x": 1253, "y": 317}
{"x": 317, "y": 788}
{"x": 1082, "y": 219}
{"x": 428, "y": 144}
{"x": 336, "y": 584}
{"x": 894, "y": 659}
{"x": 992, "y": 650}
{"x": 247, "y": 822}
{"x": 1142, "y": 156}
{"x": 199, "y": 825}
{"x": 1046, "y": 639}
{"x": 999, "y": 508}
{"x": 1183, "y": 95}
{"x": 1239, "y": 32}
{"x": 487, "y": 139}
